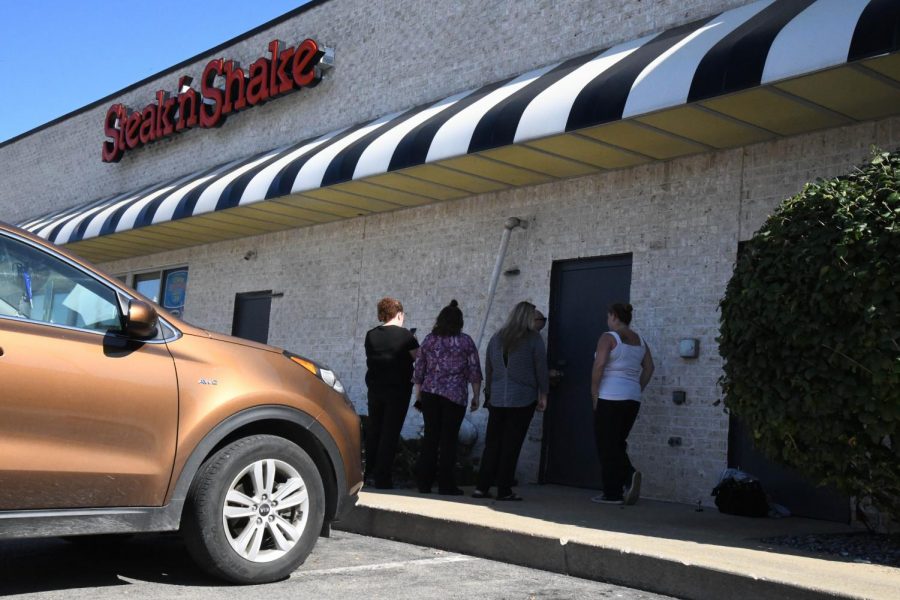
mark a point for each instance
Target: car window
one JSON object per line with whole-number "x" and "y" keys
{"x": 41, "y": 287}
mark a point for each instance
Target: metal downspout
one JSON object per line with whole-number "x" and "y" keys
{"x": 511, "y": 223}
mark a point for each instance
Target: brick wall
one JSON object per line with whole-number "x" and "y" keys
{"x": 681, "y": 220}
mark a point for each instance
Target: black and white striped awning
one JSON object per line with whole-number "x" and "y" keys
{"x": 770, "y": 68}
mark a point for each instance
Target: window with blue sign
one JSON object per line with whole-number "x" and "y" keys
{"x": 168, "y": 288}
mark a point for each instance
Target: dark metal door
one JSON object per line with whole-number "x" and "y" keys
{"x": 251, "y": 316}
{"x": 580, "y": 292}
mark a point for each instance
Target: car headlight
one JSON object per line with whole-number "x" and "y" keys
{"x": 331, "y": 379}
{"x": 323, "y": 373}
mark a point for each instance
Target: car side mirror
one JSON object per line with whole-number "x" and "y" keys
{"x": 141, "y": 319}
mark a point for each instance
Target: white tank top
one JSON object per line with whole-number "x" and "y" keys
{"x": 622, "y": 375}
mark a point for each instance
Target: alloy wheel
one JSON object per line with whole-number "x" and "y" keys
{"x": 265, "y": 511}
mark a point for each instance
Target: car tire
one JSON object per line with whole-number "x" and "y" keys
{"x": 254, "y": 510}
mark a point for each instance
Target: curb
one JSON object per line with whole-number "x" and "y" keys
{"x": 605, "y": 564}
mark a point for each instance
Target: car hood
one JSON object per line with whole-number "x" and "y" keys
{"x": 221, "y": 337}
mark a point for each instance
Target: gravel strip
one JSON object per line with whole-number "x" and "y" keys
{"x": 860, "y": 547}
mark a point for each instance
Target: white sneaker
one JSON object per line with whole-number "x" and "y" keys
{"x": 634, "y": 490}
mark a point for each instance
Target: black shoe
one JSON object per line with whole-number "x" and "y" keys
{"x": 424, "y": 490}
{"x": 604, "y": 499}
{"x": 510, "y": 497}
{"x": 454, "y": 491}
{"x": 480, "y": 494}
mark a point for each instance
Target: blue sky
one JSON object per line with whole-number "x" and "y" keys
{"x": 59, "y": 55}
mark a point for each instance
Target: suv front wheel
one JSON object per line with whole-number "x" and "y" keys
{"x": 254, "y": 510}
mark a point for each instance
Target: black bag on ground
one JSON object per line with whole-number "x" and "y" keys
{"x": 743, "y": 497}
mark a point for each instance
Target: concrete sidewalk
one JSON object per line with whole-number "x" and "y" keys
{"x": 662, "y": 547}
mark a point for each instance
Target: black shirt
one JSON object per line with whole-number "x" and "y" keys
{"x": 387, "y": 357}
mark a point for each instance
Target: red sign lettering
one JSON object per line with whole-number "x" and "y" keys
{"x": 225, "y": 88}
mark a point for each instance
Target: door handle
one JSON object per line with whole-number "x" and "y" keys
{"x": 555, "y": 377}
{"x": 557, "y": 374}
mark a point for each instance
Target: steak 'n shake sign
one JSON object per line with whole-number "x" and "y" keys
{"x": 283, "y": 70}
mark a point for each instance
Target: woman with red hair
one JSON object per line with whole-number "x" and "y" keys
{"x": 390, "y": 351}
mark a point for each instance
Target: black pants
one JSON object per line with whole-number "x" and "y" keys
{"x": 387, "y": 412}
{"x": 613, "y": 420}
{"x": 438, "y": 455}
{"x": 506, "y": 430}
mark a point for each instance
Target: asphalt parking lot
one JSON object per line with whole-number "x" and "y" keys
{"x": 343, "y": 566}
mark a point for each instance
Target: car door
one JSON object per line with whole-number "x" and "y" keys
{"x": 88, "y": 417}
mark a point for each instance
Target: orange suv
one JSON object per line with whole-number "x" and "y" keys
{"x": 118, "y": 418}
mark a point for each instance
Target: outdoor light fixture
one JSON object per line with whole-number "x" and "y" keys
{"x": 689, "y": 348}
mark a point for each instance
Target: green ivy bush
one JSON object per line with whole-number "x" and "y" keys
{"x": 810, "y": 333}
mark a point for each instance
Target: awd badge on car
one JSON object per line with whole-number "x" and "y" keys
{"x": 208, "y": 381}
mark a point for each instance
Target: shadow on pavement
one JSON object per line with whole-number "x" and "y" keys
{"x": 43, "y": 565}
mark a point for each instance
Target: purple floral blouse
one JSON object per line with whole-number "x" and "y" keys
{"x": 445, "y": 365}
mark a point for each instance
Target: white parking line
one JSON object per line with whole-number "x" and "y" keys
{"x": 384, "y": 566}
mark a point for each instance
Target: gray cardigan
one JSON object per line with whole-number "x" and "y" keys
{"x": 516, "y": 383}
